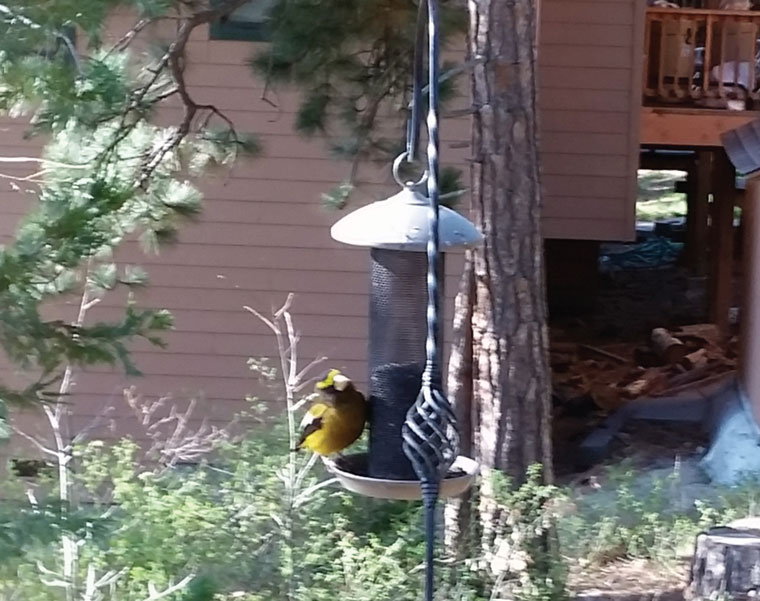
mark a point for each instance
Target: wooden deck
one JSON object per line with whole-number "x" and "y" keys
{"x": 700, "y": 75}
{"x": 703, "y": 58}
{"x": 688, "y": 127}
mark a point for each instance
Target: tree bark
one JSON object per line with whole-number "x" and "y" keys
{"x": 511, "y": 385}
{"x": 726, "y": 563}
{"x": 458, "y": 513}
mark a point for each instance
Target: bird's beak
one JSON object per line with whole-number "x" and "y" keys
{"x": 340, "y": 382}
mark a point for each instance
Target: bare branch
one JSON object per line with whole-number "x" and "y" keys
{"x": 266, "y": 321}
{"x": 308, "y": 493}
{"x": 301, "y": 378}
{"x": 305, "y": 470}
{"x": 94, "y": 424}
{"x": 35, "y": 442}
{"x": 183, "y": 444}
{"x": 43, "y": 162}
{"x": 175, "y": 57}
{"x": 285, "y": 307}
{"x": 127, "y": 38}
{"x": 156, "y": 595}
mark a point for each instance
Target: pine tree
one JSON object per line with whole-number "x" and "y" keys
{"x": 500, "y": 372}
{"x": 107, "y": 173}
{"x": 352, "y": 61}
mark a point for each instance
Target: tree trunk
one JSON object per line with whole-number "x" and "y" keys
{"x": 458, "y": 511}
{"x": 511, "y": 385}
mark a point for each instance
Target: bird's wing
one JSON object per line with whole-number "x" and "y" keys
{"x": 312, "y": 421}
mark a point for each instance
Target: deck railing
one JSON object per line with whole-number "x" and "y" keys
{"x": 703, "y": 58}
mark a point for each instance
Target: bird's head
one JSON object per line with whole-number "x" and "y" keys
{"x": 333, "y": 380}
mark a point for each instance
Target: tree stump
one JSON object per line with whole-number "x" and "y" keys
{"x": 726, "y": 562}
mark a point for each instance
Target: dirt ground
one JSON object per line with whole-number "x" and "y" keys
{"x": 628, "y": 580}
{"x": 630, "y": 304}
{"x": 652, "y": 449}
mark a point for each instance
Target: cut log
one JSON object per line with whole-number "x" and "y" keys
{"x": 602, "y": 353}
{"x": 606, "y": 397}
{"x": 667, "y": 346}
{"x": 652, "y": 378}
{"x": 697, "y": 359}
{"x": 704, "y": 331}
{"x": 700, "y": 383}
{"x": 726, "y": 563}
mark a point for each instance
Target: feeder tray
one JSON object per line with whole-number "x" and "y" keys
{"x": 351, "y": 472}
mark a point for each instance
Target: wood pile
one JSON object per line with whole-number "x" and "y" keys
{"x": 588, "y": 377}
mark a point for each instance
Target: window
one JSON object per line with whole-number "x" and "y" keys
{"x": 249, "y": 22}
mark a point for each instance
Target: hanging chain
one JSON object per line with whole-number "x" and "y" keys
{"x": 430, "y": 436}
{"x": 413, "y": 125}
{"x": 429, "y": 432}
{"x": 432, "y": 375}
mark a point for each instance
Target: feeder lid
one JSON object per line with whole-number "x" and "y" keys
{"x": 401, "y": 223}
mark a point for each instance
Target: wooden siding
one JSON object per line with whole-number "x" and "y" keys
{"x": 590, "y": 87}
{"x": 263, "y": 232}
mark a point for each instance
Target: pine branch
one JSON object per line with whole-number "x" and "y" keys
{"x": 13, "y": 15}
{"x": 175, "y": 59}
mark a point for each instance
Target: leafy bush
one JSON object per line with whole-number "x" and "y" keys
{"x": 226, "y": 528}
{"x": 196, "y": 514}
{"x": 634, "y": 516}
{"x": 224, "y": 522}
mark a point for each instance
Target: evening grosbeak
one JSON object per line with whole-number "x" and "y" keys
{"x": 336, "y": 418}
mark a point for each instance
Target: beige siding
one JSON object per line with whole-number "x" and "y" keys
{"x": 589, "y": 57}
{"x": 263, "y": 232}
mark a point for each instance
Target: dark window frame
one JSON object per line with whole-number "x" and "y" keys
{"x": 242, "y": 31}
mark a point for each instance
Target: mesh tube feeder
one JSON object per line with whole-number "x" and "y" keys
{"x": 396, "y": 232}
{"x": 412, "y": 442}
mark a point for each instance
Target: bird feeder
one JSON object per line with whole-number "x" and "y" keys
{"x": 396, "y": 232}
{"x": 414, "y": 439}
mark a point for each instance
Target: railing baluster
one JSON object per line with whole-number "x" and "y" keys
{"x": 722, "y": 58}
{"x": 671, "y": 37}
{"x": 737, "y": 35}
{"x": 752, "y": 59}
{"x": 707, "y": 56}
{"x": 661, "y": 57}
{"x": 647, "y": 70}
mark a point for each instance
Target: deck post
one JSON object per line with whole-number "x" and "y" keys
{"x": 722, "y": 241}
{"x": 750, "y": 308}
{"x": 697, "y": 212}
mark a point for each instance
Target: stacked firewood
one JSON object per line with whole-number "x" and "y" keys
{"x": 670, "y": 363}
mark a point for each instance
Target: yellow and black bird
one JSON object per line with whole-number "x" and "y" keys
{"x": 336, "y": 419}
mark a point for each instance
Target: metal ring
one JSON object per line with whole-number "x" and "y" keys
{"x": 397, "y": 165}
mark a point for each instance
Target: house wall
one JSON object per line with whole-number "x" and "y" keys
{"x": 263, "y": 232}
{"x": 589, "y": 68}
